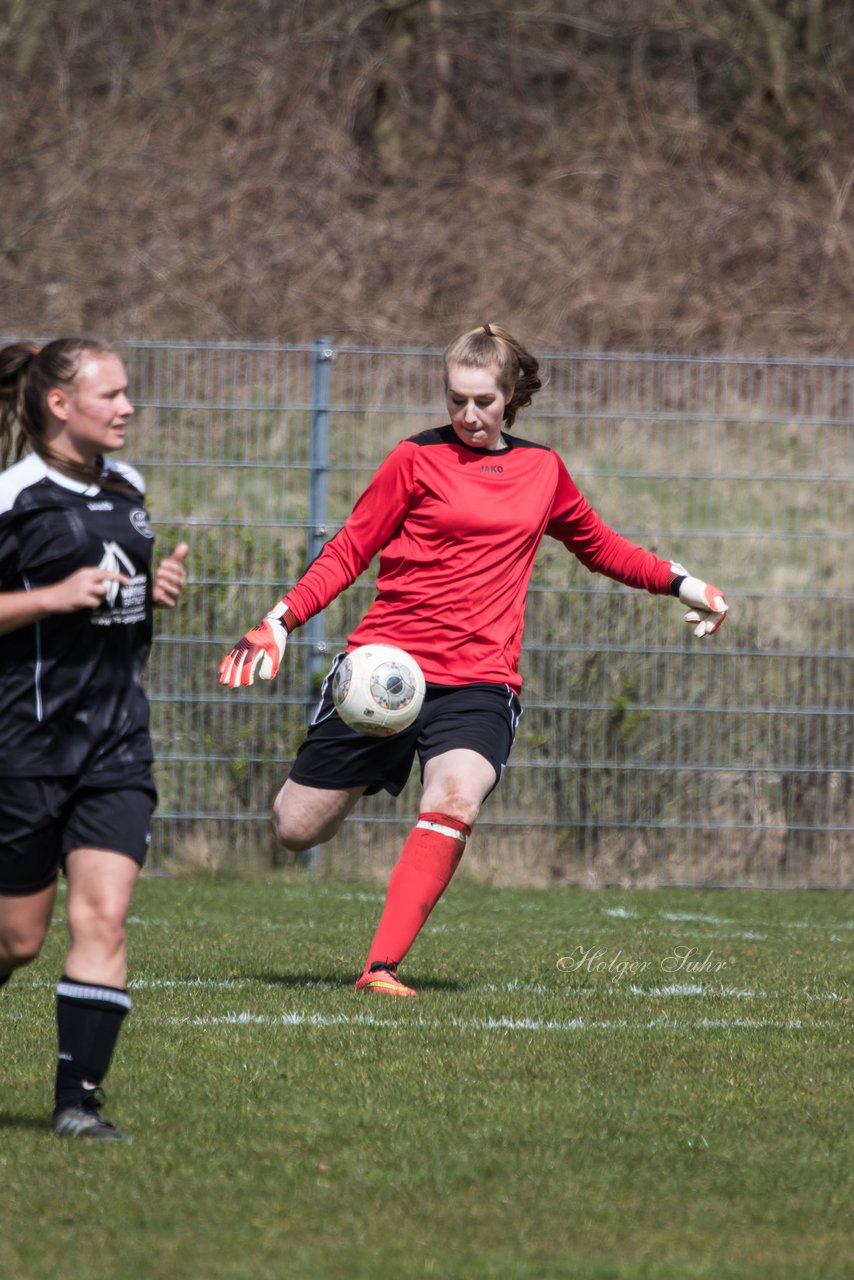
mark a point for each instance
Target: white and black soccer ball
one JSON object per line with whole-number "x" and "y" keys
{"x": 378, "y": 690}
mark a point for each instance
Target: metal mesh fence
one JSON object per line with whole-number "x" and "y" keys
{"x": 643, "y": 756}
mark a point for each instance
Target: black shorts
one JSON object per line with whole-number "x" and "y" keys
{"x": 44, "y": 819}
{"x": 478, "y": 717}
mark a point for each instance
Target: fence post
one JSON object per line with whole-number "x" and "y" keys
{"x": 318, "y": 505}
{"x": 315, "y": 652}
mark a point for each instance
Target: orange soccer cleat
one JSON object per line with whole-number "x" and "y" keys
{"x": 381, "y": 979}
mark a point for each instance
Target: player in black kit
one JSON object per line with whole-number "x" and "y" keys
{"x": 76, "y": 597}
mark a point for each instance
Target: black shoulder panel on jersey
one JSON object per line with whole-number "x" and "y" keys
{"x": 435, "y": 435}
{"x": 515, "y": 443}
{"x": 447, "y": 435}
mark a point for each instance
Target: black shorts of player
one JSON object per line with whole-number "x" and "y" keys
{"x": 479, "y": 717}
{"x": 43, "y": 819}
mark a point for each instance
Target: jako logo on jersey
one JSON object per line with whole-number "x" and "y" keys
{"x": 100, "y": 506}
{"x": 114, "y": 560}
{"x": 492, "y": 470}
{"x": 139, "y": 520}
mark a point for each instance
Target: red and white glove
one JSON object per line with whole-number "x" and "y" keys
{"x": 259, "y": 652}
{"x": 707, "y": 606}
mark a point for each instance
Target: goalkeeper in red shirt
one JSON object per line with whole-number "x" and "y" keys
{"x": 456, "y": 515}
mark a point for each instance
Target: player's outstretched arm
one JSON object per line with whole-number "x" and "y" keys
{"x": 260, "y": 651}
{"x": 707, "y": 607}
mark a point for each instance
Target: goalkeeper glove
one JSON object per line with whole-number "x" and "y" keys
{"x": 707, "y": 606}
{"x": 259, "y": 652}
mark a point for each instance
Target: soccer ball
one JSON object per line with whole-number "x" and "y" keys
{"x": 378, "y": 690}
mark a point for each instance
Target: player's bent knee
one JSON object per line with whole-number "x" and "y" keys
{"x": 289, "y": 841}
{"x": 20, "y": 950}
{"x": 306, "y": 816}
{"x": 291, "y": 837}
{"x": 298, "y": 838}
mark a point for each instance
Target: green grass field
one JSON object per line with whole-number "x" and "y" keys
{"x": 599, "y": 1085}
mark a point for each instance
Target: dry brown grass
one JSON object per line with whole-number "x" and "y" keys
{"x": 654, "y": 176}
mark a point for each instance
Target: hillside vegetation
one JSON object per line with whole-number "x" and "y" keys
{"x": 654, "y": 175}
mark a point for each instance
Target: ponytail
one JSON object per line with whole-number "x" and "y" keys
{"x": 15, "y": 362}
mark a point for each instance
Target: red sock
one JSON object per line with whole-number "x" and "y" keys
{"x": 423, "y": 872}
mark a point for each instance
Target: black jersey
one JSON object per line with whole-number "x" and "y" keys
{"x": 71, "y": 696}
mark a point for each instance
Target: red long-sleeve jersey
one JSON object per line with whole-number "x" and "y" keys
{"x": 457, "y": 530}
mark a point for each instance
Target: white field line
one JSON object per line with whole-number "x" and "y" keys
{"x": 724, "y": 928}
{"x": 284, "y": 926}
{"x": 544, "y": 1026}
{"x": 483, "y": 1024}
{"x": 675, "y": 989}
{"x": 690, "y": 917}
{"x": 616, "y": 913}
{"x": 696, "y": 989}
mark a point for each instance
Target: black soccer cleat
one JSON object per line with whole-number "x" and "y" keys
{"x": 86, "y": 1121}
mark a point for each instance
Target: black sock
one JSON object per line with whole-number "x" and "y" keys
{"x": 4, "y": 978}
{"x": 89, "y": 1019}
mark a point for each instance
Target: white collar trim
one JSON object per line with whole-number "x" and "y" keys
{"x": 76, "y": 486}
